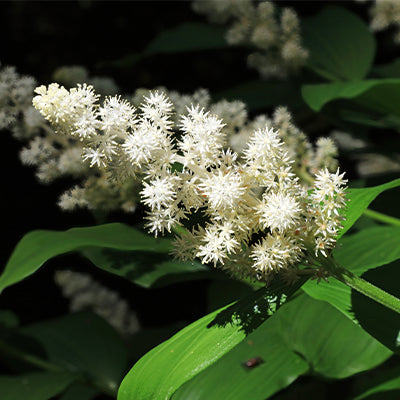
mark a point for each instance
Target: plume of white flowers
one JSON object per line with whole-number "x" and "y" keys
{"x": 253, "y": 206}
{"x": 56, "y": 156}
{"x": 256, "y": 24}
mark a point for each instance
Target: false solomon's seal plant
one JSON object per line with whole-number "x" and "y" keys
{"x": 258, "y": 218}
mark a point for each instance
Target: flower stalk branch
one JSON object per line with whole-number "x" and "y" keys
{"x": 361, "y": 285}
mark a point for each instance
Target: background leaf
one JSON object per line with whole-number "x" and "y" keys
{"x": 379, "y": 95}
{"x": 79, "y": 391}
{"x": 190, "y": 36}
{"x": 384, "y": 385}
{"x": 85, "y": 344}
{"x": 36, "y": 247}
{"x": 148, "y": 269}
{"x": 340, "y": 43}
{"x": 34, "y": 385}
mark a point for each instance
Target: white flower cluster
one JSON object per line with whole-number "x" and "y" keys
{"x": 385, "y": 14}
{"x": 256, "y": 24}
{"x": 16, "y": 111}
{"x": 56, "y": 156}
{"x": 84, "y": 293}
{"x": 253, "y": 207}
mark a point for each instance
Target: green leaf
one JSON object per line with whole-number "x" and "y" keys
{"x": 147, "y": 269}
{"x": 83, "y": 343}
{"x": 79, "y": 391}
{"x": 260, "y": 94}
{"x": 229, "y": 379}
{"x": 37, "y": 247}
{"x": 379, "y": 95}
{"x": 383, "y": 385}
{"x": 359, "y": 252}
{"x": 164, "y": 369}
{"x": 360, "y": 199}
{"x": 333, "y": 346}
{"x": 340, "y": 43}
{"x": 305, "y": 335}
{"x": 190, "y": 36}
{"x": 34, "y": 386}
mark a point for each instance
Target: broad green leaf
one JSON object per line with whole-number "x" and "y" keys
{"x": 229, "y": 379}
{"x": 333, "y": 346}
{"x": 369, "y": 248}
{"x": 164, "y": 369}
{"x": 379, "y": 95}
{"x": 380, "y": 322}
{"x": 34, "y": 385}
{"x": 83, "y": 343}
{"x": 190, "y": 36}
{"x": 260, "y": 94}
{"x": 340, "y": 43}
{"x": 147, "y": 269}
{"x": 304, "y": 336}
{"x": 37, "y": 247}
{"x": 383, "y": 385}
{"x": 360, "y": 199}
{"x": 79, "y": 391}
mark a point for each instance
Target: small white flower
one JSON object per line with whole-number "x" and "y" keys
{"x": 224, "y": 190}
{"x": 279, "y": 211}
{"x": 159, "y": 192}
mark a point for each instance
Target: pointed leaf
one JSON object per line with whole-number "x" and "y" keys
{"x": 148, "y": 269}
{"x": 303, "y": 335}
{"x": 164, "y": 369}
{"x": 37, "y": 247}
{"x": 360, "y": 199}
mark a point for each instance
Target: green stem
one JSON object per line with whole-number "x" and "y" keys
{"x": 381, "y": 217}
{"x": 28, "y": 358}
{"x": 366, "y": 288}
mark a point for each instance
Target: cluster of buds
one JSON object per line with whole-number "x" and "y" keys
{"x": 256, "y": 24}
{"x": 253, "y": 207}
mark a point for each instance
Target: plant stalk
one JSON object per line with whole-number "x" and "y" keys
{"x": 366, "y": 288}
{"x": 381, "y": 217}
